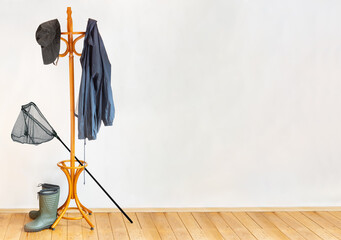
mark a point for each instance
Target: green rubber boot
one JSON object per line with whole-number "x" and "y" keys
{"x": 48, "y": 205}
{"x": 34, "y": 214}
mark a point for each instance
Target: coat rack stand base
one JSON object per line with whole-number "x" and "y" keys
{"x": 72, "y": 181}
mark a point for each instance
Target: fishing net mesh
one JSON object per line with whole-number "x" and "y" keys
{"x": 31, "y": 126}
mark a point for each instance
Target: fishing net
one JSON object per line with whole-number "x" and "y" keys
{"x": 31, "y": 126}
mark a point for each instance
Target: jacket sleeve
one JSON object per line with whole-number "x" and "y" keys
{"x": 108, "y": 109}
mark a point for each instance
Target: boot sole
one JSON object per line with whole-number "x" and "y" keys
{"x": 39, "y": 229}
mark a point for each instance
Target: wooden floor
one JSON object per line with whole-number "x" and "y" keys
{"x": 185, "y": 225}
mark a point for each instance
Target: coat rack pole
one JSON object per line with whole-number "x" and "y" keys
{"x": 72, "y": 172}
{"x": 72, "y": 93}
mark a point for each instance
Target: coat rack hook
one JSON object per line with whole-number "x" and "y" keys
{"x": 74, "y": 44}
{"x": 67, "y": 48}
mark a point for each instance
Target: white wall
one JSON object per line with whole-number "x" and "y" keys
{"x": 218, "y": 103}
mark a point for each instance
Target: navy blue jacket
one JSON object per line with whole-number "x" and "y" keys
{"x": 95, "y": 103}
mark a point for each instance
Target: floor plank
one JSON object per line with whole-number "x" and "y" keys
{"x": 242, "y": 232}
{"x": 252, "y": 226}
{"x": 337, "y": 215}
{"x": 325, "y": 224}
{"x": 104, "y": 230}
{"x": 23, "y": 234}
{"x": 87, "y": 233}
{"x": 222, "y": 226}
{"x": 5, "y": 218}
{"x": 331, "y": 218}
{"x": 44, "y": 234}
{"x": 134, "y": 229}
{"x": 192, "y": 226}
{"x": 268, "y": 227}
{"x": 118, "y": 227}
{"x": 148, "y": 227}
{"x": 318, "y": 230}
{"x": 32, "y": 236}
{"x": 207, "y": 226}
{"x": 300, "y": 228}
{"x": 282, "y": 226}
{"x": 16, "y": 223}
{"x": 61, "y": 230}
{"x": 163, "y": 227}
{"x": 179, "y": 229}
{"x": 74, "y": 227}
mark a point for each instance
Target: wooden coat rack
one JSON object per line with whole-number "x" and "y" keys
{"x": 71, "y": 171}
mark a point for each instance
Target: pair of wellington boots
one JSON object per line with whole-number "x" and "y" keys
{"x": 48, "y": 206}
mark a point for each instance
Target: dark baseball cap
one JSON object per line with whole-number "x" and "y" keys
{"x": 48, "y": 37}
